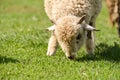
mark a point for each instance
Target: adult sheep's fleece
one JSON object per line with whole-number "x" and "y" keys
{"x": 73, "y": 21}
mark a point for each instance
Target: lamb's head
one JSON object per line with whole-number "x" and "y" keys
{"x": 70, "y": 32}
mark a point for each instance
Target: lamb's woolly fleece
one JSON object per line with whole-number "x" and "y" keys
{"x": 56, "y": 9}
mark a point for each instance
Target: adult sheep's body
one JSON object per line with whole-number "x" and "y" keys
{"x": 72, "y": 19}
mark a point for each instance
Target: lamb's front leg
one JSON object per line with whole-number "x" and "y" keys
{"x": 52, "y": 45}
{"x": 90, "y": 43}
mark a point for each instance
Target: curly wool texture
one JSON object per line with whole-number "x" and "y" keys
{"x": 65, "y": 30}
{"x": 56, "y": 9}
{"x": 66, "y": 33}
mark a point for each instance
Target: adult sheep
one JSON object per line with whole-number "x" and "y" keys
{"x": 74, "y": 23}
{"x": 114, "y": 12}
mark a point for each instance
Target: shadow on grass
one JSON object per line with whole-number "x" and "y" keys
{"x": 4, "y": 59}
{"x": 104, "y": 52}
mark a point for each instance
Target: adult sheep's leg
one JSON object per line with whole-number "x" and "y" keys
{"x": 52, "y": 45}
{"x": 118, "y": 17}
{"x": 90, "y": 44}
{"x": 118, "y": 24}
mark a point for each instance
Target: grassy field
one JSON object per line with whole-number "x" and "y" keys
{"x": 23, "y": 45}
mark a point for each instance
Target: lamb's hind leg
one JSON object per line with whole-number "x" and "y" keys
{"x": 52, "y": 45}
{"x": 90, "y": 45}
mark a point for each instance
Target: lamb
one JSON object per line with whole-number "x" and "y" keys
{"x": 114, "y": 12}
{"x": 73, "y": 25}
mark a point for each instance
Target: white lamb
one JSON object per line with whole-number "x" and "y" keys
{"x": 74, "y": 22}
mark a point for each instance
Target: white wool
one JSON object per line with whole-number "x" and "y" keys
{"x": 67, "y": 16}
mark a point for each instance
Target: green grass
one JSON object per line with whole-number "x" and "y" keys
{"x": 23, "y": 45}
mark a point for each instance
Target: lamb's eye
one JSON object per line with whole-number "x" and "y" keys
{"x": 78, "y": 37}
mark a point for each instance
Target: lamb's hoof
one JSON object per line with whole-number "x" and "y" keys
{"x": 50, "y": 54}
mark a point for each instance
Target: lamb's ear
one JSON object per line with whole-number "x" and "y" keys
{"x": 90, "y": 28}
{"x": 81, "y": 19}
{"x": 51, "y": 28}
